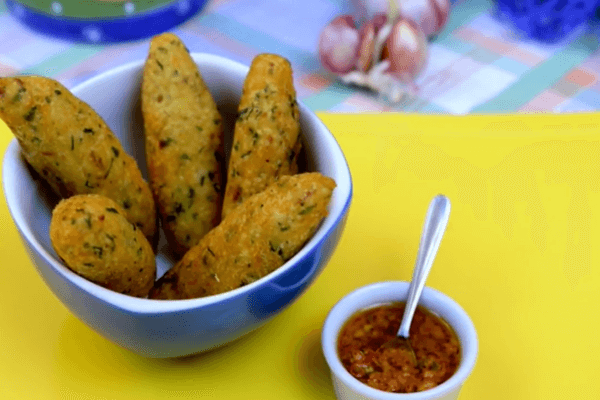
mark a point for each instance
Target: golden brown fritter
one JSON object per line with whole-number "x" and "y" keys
{"x": 94, "y": 239}
{"x": 266, "y": 139}
{"x": 184, "y": 143}
{"x": 72, "y": 148}
{"x": 255, "y": 239}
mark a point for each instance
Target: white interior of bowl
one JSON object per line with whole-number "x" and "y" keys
{"x": 387, "y": 292}
{"x": 115, "y": 96}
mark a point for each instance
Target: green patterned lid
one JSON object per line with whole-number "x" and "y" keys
{"x": 94, "y": 8}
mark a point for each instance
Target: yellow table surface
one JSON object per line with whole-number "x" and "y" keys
{"x": 521, "y": 255}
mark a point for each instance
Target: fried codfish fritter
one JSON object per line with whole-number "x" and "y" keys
{"x": 266, "y": 139}
{"x": 95, "y": 240}
{"x": 184, "y": 143}
{"x": 255, "y": 239}
{"x": 72, "y": 148}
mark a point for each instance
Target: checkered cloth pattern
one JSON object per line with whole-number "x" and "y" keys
{"x": 476, "y": 64}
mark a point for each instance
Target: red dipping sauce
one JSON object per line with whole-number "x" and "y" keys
{"x": 435, "y": 344}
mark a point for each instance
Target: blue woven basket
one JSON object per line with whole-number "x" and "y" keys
{"x": 547, "y": 20}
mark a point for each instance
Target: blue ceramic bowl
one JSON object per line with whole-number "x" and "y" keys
{"x": 158, "y": 328}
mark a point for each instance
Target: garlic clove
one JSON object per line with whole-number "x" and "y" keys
{"x": 368, "y": 38}
{"x": 406, "y": 49}
{"x": 367, "y": 46}
{"x": 379, "y": 21}
{"x": 442, "y": 11}
{"x": 423, "y": 12}
{"x": 367, "y": 9}
{"x": 339, "y": 45}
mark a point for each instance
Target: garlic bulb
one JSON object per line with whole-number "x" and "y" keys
{"x": 389, "y": 50}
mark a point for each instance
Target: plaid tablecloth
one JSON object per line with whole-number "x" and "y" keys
{"x": 476, "y": 65}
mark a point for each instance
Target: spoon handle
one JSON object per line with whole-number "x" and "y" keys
{"x": 433, "y": 230}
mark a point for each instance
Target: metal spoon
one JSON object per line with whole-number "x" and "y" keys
{"x": 433, "y": 231}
